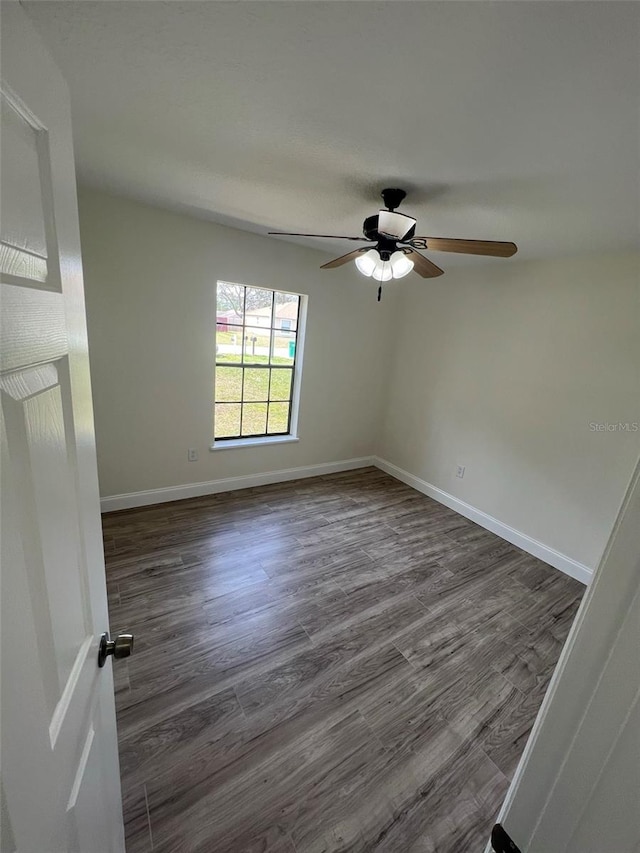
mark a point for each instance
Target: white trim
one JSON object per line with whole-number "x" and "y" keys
{"x": 228, "y": 484}
{"x": 554, "y": 558}
{"x": 301, "y": 334}
{"x": 235, "y": 443}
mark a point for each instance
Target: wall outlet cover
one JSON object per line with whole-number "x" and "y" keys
{"x": 460, "y": 471}
{"x": 192, "y": 454}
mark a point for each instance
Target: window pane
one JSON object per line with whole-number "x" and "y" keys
{"x": 227, "y": 323}
{"x": 278, "y": 417}
{"x": 256, "y": 345}
{"x": 229, "y": 304}
{"x": 228, "y": 384}
{"x": 286, "y": 311}
{"x": 229, "y": 344}
{"x": 281, "y": 384}
{"x": 284, "y": 347}
{"x": 256, "y": 339}
{"x": 227, "y": 420}
{"x": 258, "y": 307}
{"x": 254, "y": 418}
{"x": 256, "y": 383}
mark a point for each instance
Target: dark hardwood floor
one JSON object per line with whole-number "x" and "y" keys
{"x": 332, "y": 664}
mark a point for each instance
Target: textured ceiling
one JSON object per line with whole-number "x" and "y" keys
{"x": 513, "y": 121}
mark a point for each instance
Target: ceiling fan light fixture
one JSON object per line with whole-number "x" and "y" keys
{"x": 395, "y": 225}
{"x": 401, "y": 265}
{"x": 382, "y": 271}
{"x": 367, "y": 262}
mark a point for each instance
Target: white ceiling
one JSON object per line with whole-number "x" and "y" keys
{"x": 512, "y": 121}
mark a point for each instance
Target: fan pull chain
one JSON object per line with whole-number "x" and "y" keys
{"x": 379, "y": 293}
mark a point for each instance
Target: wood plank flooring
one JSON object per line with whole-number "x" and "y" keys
{"x": 333, "y": 664}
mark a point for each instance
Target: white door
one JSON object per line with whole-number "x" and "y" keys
{"x": 60, "y": 777}
{"x": 577, "y": 788}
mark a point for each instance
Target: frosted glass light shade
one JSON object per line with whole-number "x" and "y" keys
{"x": 382, "y": 271}
{"x": 367, "y": 262}
{"x": 395, "y": 225}
{"x": 401, "y": 265}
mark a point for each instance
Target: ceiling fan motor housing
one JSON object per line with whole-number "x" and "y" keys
{"x": 370, "y": 228}
{"x": 392, "y": 199}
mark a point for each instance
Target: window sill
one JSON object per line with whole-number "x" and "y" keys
{"x": 235, "y": 443}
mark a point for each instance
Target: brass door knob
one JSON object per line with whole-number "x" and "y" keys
{"x": 121, "y": 647}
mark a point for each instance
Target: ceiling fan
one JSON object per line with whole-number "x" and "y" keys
{"x": 393, "y": 253}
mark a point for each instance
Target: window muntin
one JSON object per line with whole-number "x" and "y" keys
{"x": 256, "y": 342}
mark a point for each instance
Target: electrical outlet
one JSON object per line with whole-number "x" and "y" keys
{"x": 192, "y": 454}
{"x": 460, "y": 471}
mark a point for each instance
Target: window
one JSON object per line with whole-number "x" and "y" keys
{"x": 256, "y": 348}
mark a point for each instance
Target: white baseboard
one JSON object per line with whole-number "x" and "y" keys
{"x": 549, "y": 555}
{"x": 228, "y": 484}
{"x": 193, "y": 490}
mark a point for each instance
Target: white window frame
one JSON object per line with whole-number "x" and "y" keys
{"x": 292, "y": 435}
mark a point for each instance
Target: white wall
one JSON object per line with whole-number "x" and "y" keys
{"x": 502, "y": 368}
{"x": 150, "y": 279}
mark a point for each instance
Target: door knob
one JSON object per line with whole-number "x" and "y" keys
{"x": 121, "y": 647}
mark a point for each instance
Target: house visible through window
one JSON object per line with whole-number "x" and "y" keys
{"x": 256, "y": 342}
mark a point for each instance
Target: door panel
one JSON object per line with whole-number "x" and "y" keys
{"x": 60, "y": 778}
{"x": 22, "y": 232}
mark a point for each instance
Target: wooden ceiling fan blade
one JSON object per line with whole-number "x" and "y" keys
{"x": 328, "y": 236}
{"x": 423, "y": 266}
{"x": 343, "y": 259}
{"x": 491, "y": 248}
